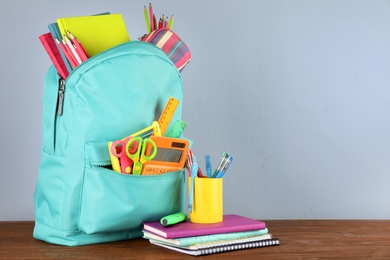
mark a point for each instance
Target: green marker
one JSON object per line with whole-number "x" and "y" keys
{"x": 173, "y": 219}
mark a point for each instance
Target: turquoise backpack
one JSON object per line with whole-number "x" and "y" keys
{"x": 78, "y": 199}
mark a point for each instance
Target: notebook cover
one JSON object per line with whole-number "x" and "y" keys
{"x": 230, "y": 223}
{"x": 96, "y": 33}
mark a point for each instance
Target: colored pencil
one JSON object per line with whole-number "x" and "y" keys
{"x": 147, "y": 21}
{"x": 152, "y": 21}
{"x": 170, "y": 23}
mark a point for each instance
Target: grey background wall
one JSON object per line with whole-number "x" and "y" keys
{"x": 297, "y": 91}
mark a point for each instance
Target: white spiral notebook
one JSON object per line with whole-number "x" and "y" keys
{"x": 215, "y": 247}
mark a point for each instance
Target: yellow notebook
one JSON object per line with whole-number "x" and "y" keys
{"x": 96, "y": 33}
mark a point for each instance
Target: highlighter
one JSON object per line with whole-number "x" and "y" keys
{"x": 173, "y": 219}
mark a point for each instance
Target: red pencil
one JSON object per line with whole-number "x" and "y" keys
{"x": 160, "y": 24}
{"x": 71, "y": 58}
{"x": 78, "y": 47}
{"x": 65, "y": 51}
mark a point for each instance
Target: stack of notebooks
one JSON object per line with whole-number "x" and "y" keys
{"x": 235, "y": 232}
{"x": 72, "y": 40}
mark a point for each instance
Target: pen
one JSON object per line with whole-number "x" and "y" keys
{"x": 225, "y": 167}
{"x": 224, "y": 155}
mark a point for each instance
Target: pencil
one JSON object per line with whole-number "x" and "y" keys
{"x": 72, "y": 50}
{"x": 66, "y": 53}
{"x": 166, "y": 22}
{"x": 152, "y": 22}
{"x": 147, "y": 21}
{"x": 78, "y": 47}
{"x": 162, "y": 21}
{"x": 170, "y": 23}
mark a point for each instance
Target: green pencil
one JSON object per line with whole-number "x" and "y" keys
{"x": 170, "y": 23}
{"x": 147, "y": 19}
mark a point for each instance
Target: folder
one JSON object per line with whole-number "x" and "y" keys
{"x": 96, "y": 33}
{"x": 51, "y": 49}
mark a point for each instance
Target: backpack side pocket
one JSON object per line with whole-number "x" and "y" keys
{"x": 113, "y": 201}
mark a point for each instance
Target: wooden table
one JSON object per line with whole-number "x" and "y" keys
{"x": 300, "y": 239}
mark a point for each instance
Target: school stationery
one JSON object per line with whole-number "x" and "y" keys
{"x": 55, "y": 56}
{"x": 173, "y": 219}
{"x": 177, "y": 129}
{"x": 230, "y": 223}
{"x": 189, "y": 163}
{"x": 78, "y": 47}
{"x": 116, "y": 155}
{"x": 78, "y": 199}
{"x": 214, "y": 248}
{"x": 147, "y": 20}
{"x": 171, "y": 44}
{"x": 188, "y": 241}
{"x": 140, "y": 156}
{"x": 56, "y": 35}
{"x": 218, "y": 240}
{"x": 167, "y": 114}
{"x": 152, "y": 18}
{"x": 97, "y": 33}
{"x": 206, "y": 200}
{"x": 170, "y": 155}
{"x": 170, "y": 25}
{"x": 117, "y": 149}
{"x": 68, "y": 55}
{"x": 223, "y": 166}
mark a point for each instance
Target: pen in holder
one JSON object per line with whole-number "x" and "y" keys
{"x": 207, "y": 200}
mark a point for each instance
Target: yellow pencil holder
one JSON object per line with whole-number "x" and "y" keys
{"x": 207, "y": 204}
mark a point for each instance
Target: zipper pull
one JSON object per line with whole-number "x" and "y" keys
{"x": 61, "y": 91}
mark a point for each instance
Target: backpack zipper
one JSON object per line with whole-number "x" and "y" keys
{"x": 61, "y": 91}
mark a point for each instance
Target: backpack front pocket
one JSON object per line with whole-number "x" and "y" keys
{"x": 113, "y": 201}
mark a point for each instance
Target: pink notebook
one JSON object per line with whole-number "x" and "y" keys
{"x": 230, "y": 223}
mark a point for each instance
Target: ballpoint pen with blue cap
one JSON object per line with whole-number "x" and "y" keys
{"x": 221, "y": 164}
{"x": 225, "y": 167}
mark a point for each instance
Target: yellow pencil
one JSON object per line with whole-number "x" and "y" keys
{"x": 147, "y": 21}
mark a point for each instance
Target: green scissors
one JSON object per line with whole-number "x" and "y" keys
{"x": 139, "y": 157}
